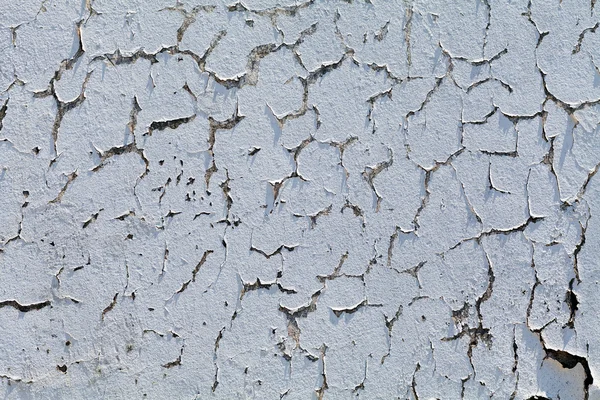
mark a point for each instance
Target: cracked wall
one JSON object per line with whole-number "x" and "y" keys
{"x": 294, "y": 200}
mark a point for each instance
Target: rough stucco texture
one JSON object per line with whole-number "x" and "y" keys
{"x": 285, "y": 200}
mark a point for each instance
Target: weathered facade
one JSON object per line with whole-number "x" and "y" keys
{"x": 278, "y": 199}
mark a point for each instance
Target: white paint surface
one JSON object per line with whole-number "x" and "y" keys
{"x": 286, "y": 200}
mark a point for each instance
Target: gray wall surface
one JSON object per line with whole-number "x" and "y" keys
{"x": 287, "y": 199}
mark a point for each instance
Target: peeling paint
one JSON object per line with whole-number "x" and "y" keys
{"x": 300, "y": 199}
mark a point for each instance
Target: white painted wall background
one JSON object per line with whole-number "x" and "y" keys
{"x": 285, "y": 200}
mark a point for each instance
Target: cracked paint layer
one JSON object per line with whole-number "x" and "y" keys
{"x": 287, "y": 199}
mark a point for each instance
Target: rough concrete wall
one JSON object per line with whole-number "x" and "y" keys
{"x": 285, "y": 200}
